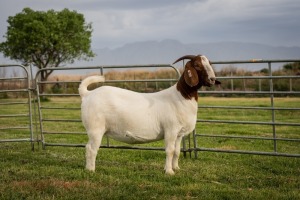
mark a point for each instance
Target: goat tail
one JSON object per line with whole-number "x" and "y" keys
{"x": 83, "y": 91}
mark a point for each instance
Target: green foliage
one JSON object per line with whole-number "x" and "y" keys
{"x": 47, "y": 39}
{"x": 292, "y": 67}
{"x": 264, "y": 71}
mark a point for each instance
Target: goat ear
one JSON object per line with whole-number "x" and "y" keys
{"x": 190, "y": 75}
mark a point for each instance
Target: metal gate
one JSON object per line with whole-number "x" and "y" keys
{"x": 61, "y": 117}
{"x": 49, "y": 116}
{"x": 15, "y": 105}
{"x": 274, "y": 136}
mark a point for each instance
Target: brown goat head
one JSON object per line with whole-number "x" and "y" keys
{"x": 198, "y": 71}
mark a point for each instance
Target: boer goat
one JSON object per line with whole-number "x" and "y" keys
{"x": 134, "y": 118}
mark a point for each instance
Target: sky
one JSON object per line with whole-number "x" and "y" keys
{"x": 117, "y": 22}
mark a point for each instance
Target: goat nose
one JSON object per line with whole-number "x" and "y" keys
{"x": 213, "y": 79}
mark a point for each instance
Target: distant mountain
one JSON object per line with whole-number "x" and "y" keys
{"x": 167, "y": 51}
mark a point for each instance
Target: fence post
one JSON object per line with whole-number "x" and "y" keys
{"x": 272, "y": 106}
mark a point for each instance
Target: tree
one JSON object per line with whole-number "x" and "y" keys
{"x": 47, "y": 39}
{"x": 264, "y": 71}
{"x": 294, "y": 67}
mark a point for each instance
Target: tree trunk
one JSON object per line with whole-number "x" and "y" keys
{"x": 44, "y": 77}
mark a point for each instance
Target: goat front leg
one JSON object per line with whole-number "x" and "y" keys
{"x": 175, "y": 165}
{"x": 170, "y": 151}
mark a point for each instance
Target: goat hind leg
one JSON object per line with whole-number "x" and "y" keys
{"x": 92, "y": 148}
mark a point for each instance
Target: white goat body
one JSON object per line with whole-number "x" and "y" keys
{"x": 133, "y": 117}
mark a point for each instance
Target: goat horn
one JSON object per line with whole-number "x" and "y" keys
{"x": 184, "y": 57}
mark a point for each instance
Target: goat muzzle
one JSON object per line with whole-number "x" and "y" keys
{"x": 212, "y": 81}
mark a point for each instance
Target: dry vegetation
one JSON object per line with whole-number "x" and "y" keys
{"x": 131, "y": 79}
{"x": 114, "y": 77}
{"x": 120, "y": 75}
{"x": 229, "y": 84}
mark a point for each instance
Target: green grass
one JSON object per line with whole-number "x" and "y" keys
{"x": 58, "y": 172}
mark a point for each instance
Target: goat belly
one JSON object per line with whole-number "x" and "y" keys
{"x": 135, "y": 125}
{"x": 130, "y": 137}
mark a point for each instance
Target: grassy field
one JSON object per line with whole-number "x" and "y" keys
{"x": 58, "y": 172}
{"x": 251, "y": 130}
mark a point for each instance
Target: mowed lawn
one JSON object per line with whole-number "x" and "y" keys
{"x": 58, "y": 172}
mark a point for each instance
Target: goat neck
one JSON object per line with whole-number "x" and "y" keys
{"x": 187, "y": 91}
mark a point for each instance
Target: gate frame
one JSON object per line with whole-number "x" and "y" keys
{"x": 28, "y": 90}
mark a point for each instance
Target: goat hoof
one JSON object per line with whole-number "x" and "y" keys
{"x": 90, "y": 169}
{"x": 170, "y": 172}
{"x": 176, "y": 168}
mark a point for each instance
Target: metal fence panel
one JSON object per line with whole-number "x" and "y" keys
{"x": 16, "y": 106}
{"x": 51, "y": 114}
{"x": 274, "y": 123}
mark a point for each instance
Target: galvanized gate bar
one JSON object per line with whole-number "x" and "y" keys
{"x": 248, "y": 107}
{"x": 113, "y": 81}
{"x": 250, "y": 122}
{"x": 248, "y": 152}
{"x": 15, "y": 127}
{"x": 249, "y": 92}
{"x": 258, "y": 77}
{"x": 255, "y": 61}
{"x": 249, "y": 137}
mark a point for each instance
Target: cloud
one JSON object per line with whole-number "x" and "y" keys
{"x": 116, "y": 22}
{"x": 118, "y": 5}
